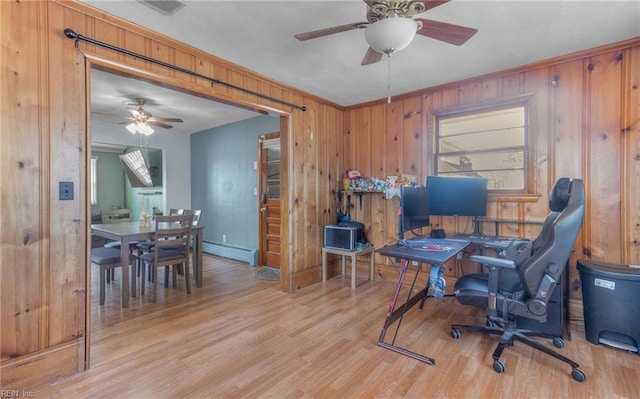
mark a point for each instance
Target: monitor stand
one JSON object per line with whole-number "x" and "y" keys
{"x": 476, "y": 225}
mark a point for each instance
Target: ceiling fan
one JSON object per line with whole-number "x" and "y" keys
{"x": 390, "y": 27}
{"x": 139, "y": 119}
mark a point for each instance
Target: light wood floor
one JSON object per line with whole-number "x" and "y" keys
{"x": 239, "y": 337}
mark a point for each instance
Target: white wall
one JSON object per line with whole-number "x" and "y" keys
{"x": 176, "y": 157}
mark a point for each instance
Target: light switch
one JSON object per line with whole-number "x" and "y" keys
{"x": 66, "y": 190}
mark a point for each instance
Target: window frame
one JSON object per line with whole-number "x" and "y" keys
{"x": 523, "y": 101}
{"x": 93, "y": 179}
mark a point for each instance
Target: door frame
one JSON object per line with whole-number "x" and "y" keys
{"x": 109, "y": 65}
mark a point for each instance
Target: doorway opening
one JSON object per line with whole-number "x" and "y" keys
{"x": 105, "y": 127}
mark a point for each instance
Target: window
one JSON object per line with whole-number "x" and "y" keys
{"x": 94, "y": 181}
{"x": 491, "y": 143}
{"x": 272, "y": 149}
{"x": 136, "y": 168}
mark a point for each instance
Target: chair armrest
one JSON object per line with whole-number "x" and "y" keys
{"x": 491, "y": 261}
{"x": 495, "y": 265}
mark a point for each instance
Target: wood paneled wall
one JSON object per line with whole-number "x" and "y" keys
{"x": 46, "y": 82}
{"x": 584, "y": 122}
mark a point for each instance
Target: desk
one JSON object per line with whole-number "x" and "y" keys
{"x": 126, "y": 232}
{"x": 443, "y": 250}
{"x": 353, "y": 255}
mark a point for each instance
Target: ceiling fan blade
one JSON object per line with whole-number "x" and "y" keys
{"x": 165, "y": 120}
{"x": 371, "y": 57}
{"x": 449, "y": 33}
{"x": 160, "y": 124}
{"x": 329, "y": 31}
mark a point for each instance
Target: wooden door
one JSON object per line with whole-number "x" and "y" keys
{"x": 270, "y": 208}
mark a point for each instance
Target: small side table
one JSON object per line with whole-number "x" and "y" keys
{"x": 353, "y": 255}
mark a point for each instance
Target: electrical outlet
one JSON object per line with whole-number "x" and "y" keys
{"x": 66, "y": 190}
{"x": 224, "y": 238}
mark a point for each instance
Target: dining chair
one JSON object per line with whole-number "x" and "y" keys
{"x": 107, "y": 260}
{"x": 171, "y": 237}
{"x": 116, "y": 216}
{"x": 148, "y": 245}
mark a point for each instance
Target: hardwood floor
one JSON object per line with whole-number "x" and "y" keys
{"x": 239, "y": 337}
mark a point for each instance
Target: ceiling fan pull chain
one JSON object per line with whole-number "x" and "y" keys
{"x": 389, "y": 80}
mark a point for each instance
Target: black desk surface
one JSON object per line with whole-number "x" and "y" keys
{"x": 429, "y": 250}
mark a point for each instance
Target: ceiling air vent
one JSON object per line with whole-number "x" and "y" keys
{"x": 168, "y": 7}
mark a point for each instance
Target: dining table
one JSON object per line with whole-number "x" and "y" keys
{"x": 127, "y": 232}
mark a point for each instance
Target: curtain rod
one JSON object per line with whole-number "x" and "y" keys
{"x": 71, "y": 34}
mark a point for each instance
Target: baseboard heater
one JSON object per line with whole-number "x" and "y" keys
{"x": 240, "y": 254}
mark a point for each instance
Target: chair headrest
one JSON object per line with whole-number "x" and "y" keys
{"x": 559, "y": 196}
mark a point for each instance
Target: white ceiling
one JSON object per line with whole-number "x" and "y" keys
{"x": 258, "y": 35}
{"x": 110, "y": 92}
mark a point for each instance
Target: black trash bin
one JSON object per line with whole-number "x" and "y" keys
{"x": 611, "y": 304}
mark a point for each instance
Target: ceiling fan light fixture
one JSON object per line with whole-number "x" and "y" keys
{"x": 139, "y": 127}
{"x": 131, "y": 127}
{"x": 391, "y": 35}
{"x": 145, "y": 129}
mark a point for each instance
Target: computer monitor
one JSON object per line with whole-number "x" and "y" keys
{"x": 457, "y": 196}
{"x": 414, "y": 209}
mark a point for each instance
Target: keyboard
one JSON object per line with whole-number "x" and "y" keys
{"x": 489, "y": 241}
{"x": 415, "y": 242}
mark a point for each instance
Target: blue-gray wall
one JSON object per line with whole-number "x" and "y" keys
{"x": 223, "y": 179}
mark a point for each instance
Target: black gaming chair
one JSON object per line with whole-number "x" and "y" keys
{"x": 517, "y": 290}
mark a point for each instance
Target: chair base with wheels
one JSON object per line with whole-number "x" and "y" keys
{"x": 509, "y": 332}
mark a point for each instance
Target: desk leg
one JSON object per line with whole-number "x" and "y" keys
{"x": 391, "y": 317}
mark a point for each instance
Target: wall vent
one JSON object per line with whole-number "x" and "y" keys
{"x": 168, "y": 7}
{"x": 240, "y": 254}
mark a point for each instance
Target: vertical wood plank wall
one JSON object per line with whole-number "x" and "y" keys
{"x": 586, "y": 125}
{"x": 45, "y": 140}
